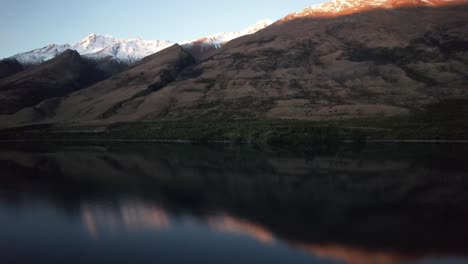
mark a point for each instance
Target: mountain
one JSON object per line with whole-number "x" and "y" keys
{"x": 105, "y": 55}
{"x": 38, "y": 56}
{"x": 128, "y": 89}
{"x": 203, "y": 47}
{"x": 376, "y": 63}
{"x": 123, "y": 90}
{"x": 218, "y": 40}
{"x": 98, "y": 47}
{"x": 369, "y": 59}
{"x": 57, "y": 77}
{"x": 128, "y": 51}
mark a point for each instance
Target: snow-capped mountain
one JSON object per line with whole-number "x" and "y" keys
{"x": 38, "y": 56}
{"x": 98, "y": 47}
{"x": 336, "y": 7}
{"x": 202, "y": 48}
{"x": 126, "y": 50}
{"x": 218, "y": 40}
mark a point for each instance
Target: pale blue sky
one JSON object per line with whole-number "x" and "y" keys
{"x": 29, "y": 24}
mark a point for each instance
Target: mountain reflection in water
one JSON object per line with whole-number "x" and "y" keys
{"x": 158, "y": 203}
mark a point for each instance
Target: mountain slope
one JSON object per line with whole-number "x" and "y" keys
{"x": 9, "y": 67}
{"x": 374, "y": 63}
{"x": 126, "y": 90}
{"x": 64, "y": 74}
{"x": 381, "y": 62}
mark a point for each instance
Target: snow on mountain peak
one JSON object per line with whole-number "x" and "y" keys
{"x": 261, "y": 24}
{"x": 38, "y": 56}
{"x": 338, "y": 6}
{"x": 124, "y": 50}
{"x": 96, "y": 46}
{"x": 218, "y": 40}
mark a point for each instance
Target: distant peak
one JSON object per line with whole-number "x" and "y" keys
{"x": 264, "y": 22}
{"x": 220, "y": 39}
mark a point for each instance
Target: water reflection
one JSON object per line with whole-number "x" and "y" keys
{"x": 229, "y": 224}
{"x": 355, "y": 255}
{"x": 229, "y": 204}
{"x": 125, "y": 217}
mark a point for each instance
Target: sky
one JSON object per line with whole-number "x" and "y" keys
{"x": 30, "y": 24}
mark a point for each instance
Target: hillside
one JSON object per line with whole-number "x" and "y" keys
{"x": 358, "y": 65}
{"x": 9, "y": 67}
{"x": 364, "y": 61}
{"x": 58, "y": 77}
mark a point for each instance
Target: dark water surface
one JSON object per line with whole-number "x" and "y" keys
{"x": 182, "y": 203}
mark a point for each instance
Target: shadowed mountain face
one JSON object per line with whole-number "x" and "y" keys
{"x": 113, "y": 95}
{"x": 371, "y": 62}
{"x": 58, "y": 77}
{"x": 200, "y": 51}
{"x": 383, "y": 204}
{"x": 115, "y": 98}
{"x": 9, "y": 67}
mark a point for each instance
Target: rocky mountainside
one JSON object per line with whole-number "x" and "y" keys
{"x": 380, "y": 62}
{"x": 108, "y": 97}
{"x": 382, "y": 58}
{"x": 58, "y": 77}
{"x": 130, "y": 88}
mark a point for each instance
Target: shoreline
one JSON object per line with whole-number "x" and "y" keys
{"x": 230, "y": 141}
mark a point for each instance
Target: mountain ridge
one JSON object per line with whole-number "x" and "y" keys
{"x": 128, "y": 51}
{"x": 97, "y": 47}
{"x": 64, "y": 74}
{"x": 341, "y": 7}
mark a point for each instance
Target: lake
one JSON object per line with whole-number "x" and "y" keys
{"x": 193, "y": 203}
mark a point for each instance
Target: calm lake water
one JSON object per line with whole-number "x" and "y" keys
{"x": 211, "y": 204}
